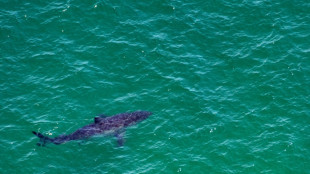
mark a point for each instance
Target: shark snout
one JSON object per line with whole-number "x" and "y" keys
{"x": 143, "y": 114}
{"x": 146, "y": 113}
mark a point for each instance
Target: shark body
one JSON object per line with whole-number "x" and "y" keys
{"x": 102, "y": 125}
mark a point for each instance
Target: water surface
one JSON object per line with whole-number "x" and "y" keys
{"x": 227, "y": 82}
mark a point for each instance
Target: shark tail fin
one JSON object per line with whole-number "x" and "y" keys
{"x": 43, "y": 139}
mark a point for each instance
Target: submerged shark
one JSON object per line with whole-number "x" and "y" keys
{"x": 103, "y": 124}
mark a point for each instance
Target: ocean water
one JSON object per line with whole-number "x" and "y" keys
{"x": 228, "y": 83}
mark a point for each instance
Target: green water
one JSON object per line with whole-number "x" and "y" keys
{"x": 228, "y": 83}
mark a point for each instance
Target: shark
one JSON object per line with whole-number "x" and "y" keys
{"x": 102, "y": 124}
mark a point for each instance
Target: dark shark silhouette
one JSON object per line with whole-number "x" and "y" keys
{"x": 102, "y": 125}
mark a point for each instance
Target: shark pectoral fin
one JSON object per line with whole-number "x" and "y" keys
{"x": 82, "y": 141}
{"x": 120, "y": 138}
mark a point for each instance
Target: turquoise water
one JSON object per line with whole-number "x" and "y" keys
{"x": 228, "y": 83}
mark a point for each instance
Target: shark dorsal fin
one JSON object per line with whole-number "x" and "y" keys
{"x": 98, "y": 119}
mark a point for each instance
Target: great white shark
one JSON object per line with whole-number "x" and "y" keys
{"x": 103, "y": 124}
